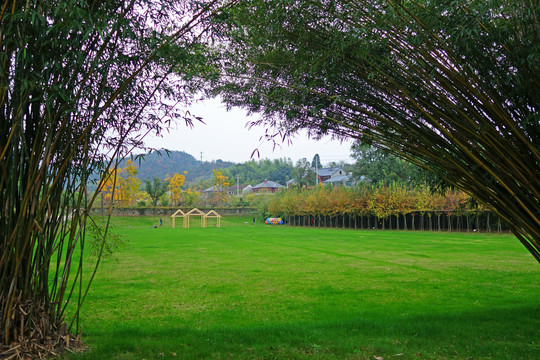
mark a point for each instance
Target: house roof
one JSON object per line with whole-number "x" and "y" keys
{"x": 337, "y": 179}
{"x": 268, "y": 184}
{"x": 229, "y": 189}
{"x": 211, "y": 189}
{"x": 329, "y": 171}
{"x": 234, "y": 187}
{"x": 363, "y": 178}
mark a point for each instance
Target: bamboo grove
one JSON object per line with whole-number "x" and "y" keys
{"x": 81, "y": 82}
{"x": 451, "y": 86}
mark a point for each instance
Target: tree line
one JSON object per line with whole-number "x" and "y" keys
{"x": 150, "y": 181}
{"x": 395, "y": 205}
{"x": 123, "y": 186}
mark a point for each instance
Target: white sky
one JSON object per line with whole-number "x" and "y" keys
{"x": 225, "y": 136}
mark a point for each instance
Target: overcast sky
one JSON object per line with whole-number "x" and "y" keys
{"x": 225, "y": 136}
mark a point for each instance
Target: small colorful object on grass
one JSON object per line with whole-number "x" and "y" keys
{"x": 274, "y": 221}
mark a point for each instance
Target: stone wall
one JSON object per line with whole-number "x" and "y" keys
{"x": 168, "y": 211}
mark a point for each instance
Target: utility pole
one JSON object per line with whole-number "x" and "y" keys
{"x": 316, "y": 173}
{"x": 237, "y": 185}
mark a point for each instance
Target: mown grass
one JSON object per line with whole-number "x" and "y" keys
{"x": 261, "y": 292}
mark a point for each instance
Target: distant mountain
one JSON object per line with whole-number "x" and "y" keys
{"x": 162, "y": 164}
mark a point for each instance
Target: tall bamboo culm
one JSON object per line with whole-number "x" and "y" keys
{"x": 75, "y": 77}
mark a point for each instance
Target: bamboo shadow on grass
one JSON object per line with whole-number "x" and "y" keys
{"x": 509, "y": 333}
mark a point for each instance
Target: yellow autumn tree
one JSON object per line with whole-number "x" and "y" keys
{"x": 128, "y": 185}
{"x": 221, "y": 181}
{"x": 175, "y": 187}
{"x": 109, "y": 184}
{"x": 107, "y": 187}
{"x": 121, "y": 186}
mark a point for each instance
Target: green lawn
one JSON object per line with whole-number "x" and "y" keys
{"x": 262, "y": 292}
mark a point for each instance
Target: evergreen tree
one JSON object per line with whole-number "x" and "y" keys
{"x": 316, "y": 162}
{"x": 303, "y": 173}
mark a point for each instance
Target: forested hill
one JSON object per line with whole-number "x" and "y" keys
{"x": 163, "y": 164}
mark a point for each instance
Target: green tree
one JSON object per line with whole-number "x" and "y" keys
{"x": 155, "y": 189}
{"x": 190, "y": 197}
{"x": 80, "y": 81}
{"x": 379, "y": 165}
{"x": 316, "y": 162}
{"x": 450, "y": 86}
{"x": 254, "y": 172}
{"x": 303, "y": 173}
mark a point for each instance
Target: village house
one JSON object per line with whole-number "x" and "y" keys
{"x": 232, "y": 190}
{"x": 267, "y": 186}
{"x": 329, "y": 173}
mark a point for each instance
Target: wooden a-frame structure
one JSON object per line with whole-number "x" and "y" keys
{"x": 212, "y": 214}
{"x": 179, "y": 213}
{"x": 193, "y": 212}
{"x": 196, "y": 212}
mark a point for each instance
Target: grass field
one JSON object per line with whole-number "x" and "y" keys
{"x": 262, "y": 292}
